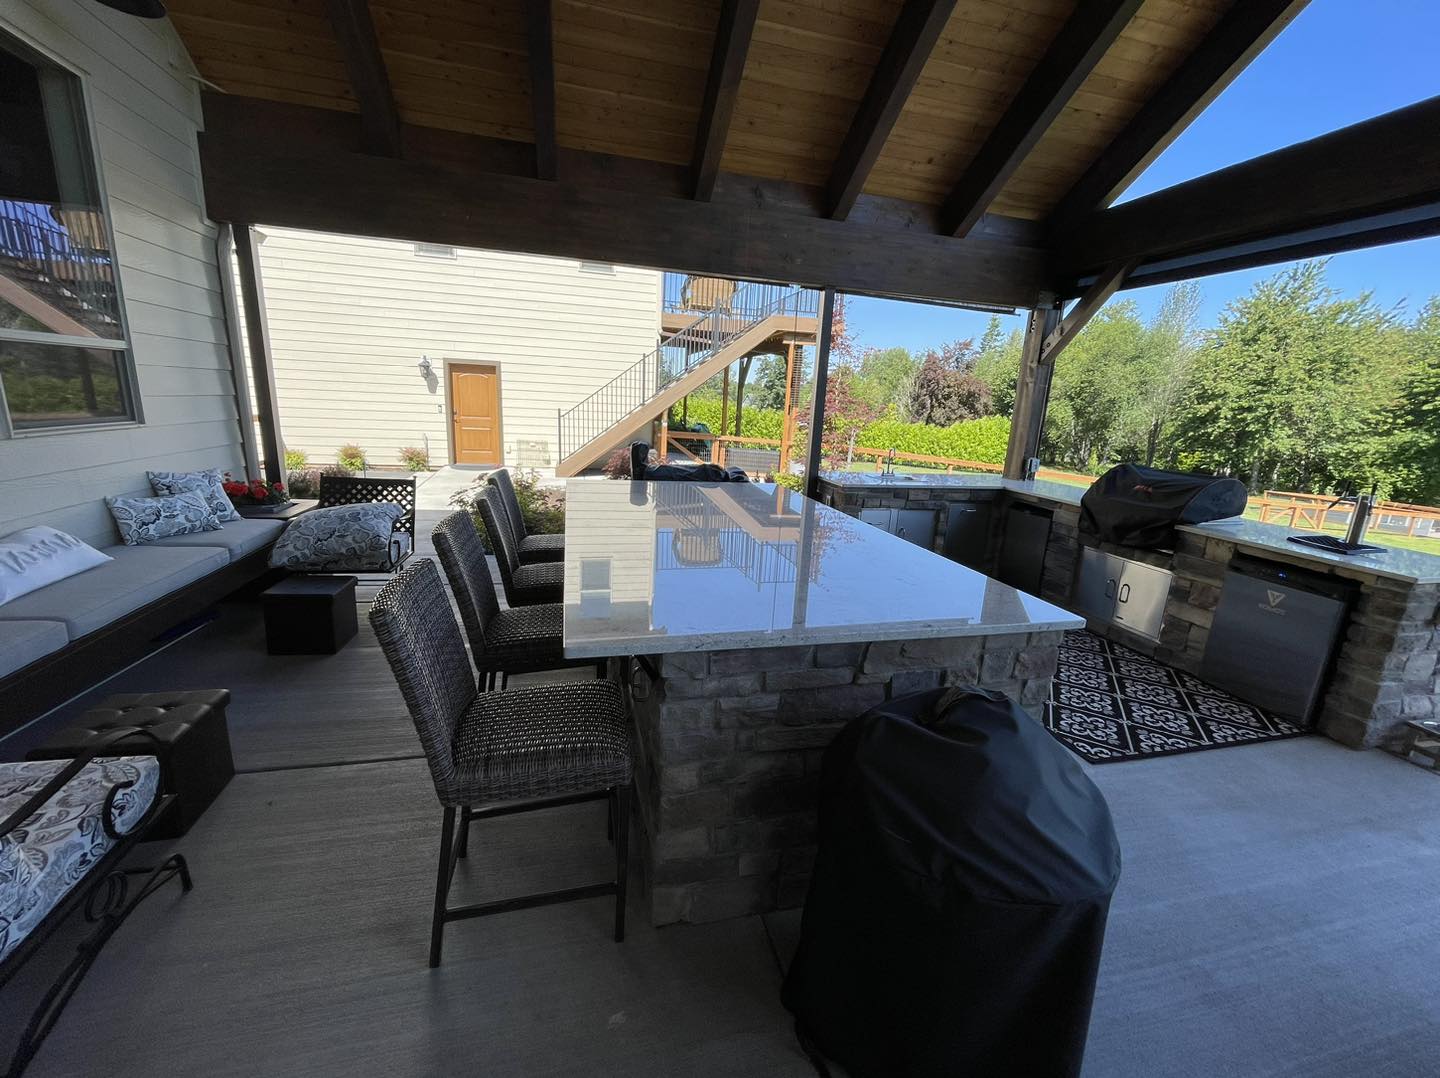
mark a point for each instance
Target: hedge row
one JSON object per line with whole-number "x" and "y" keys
{"x": 982, "y": 440}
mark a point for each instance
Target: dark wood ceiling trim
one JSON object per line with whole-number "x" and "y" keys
{"x": 1084, "y": 309}
{"x": 727, "y": 67}
{"x": 916, "y": 31}
{"x": 1391, "y": 162}
{"x": 1236, "y": 40}
{"x": 380, "y": 120}
{"x": 540, "y": 38}
{"x": 1077, "y": 48}
{"x": 309, "y": 177}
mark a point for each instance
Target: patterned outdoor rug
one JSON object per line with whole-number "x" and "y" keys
{"x": 1110, "y": 702}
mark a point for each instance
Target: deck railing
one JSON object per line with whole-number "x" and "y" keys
{"x": 676, "y": 356}
{"x": 72, "y": 273}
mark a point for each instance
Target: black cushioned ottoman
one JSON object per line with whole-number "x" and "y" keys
{"x": 193, "y": 746}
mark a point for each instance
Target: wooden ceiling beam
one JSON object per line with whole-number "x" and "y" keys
{"x": 303, "y": 173}
{"x": 722, "y": 87}
{"x": 1077, "y": 48}
{"x": 1388, "y": 163}
{"x": 379, "y": 118}
{"x": 916, "y": 32}
{"x": 1240, "y": 36}
{"x": 540, "y": 40}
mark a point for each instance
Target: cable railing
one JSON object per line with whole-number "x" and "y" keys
{"x": 677, "y": 356}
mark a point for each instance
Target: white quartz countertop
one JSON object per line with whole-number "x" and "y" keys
{"x": 1412, "y": 566}
{"x": 665, "y": 567}
{"x": 1043, "y": 489}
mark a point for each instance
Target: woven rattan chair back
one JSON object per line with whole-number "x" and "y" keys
{"x": 457, "y": 544}
{"x": 356, "y": 490}
{"x": 497, "y": 526}
{"x": 416, "y": 628}
{"x": 505, "y": 483}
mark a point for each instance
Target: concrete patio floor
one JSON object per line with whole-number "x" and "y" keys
{"x": 1273, "y": 916}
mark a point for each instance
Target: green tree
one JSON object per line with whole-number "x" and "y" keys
{"x": 1416, "y": 439}
{"x": 998, "y": 365}
{"x": 885, "y": 376}
{"x": 1169, "y": 348}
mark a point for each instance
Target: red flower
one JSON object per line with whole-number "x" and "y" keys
{"x": 278, "y": 487}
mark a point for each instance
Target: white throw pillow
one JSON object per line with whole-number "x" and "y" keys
{"x": 34, "y": 557}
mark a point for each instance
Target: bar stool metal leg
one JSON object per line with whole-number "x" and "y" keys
{"x": 442, "y": 884}
{"x": 620, "y": 799}
{"x": 463, "y": 844}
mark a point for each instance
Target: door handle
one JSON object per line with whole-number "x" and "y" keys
{"x": 1124, "y": 593}
{"x": 900, "y": 533}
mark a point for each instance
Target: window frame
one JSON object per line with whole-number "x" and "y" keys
{"x": 87, "y": 131}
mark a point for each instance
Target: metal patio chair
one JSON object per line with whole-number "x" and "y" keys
{"x": 506, "y": 752}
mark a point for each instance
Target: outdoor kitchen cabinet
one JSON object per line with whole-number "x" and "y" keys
{"x": 914, "y": 525}
{"x": 1118, "y": 591}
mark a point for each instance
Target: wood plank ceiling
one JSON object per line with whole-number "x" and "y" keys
{"x": 630, "y": 79}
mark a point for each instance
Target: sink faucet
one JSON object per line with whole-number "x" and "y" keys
{"x": 890, "y": 461}
{"x": 1360, "y": 518}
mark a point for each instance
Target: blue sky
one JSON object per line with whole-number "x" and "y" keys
{"x": 1339, "y": 62}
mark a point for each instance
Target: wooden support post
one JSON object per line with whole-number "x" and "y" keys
{"x": 817, "y": 405}
{"x": 785, "y": 430}
{"x": 664, "y": 435}
{"x": 1032, "y": 392}
{"x": 225, "y": 259}
{"x": 725, "y": 403}
{"x": 262, "y": 367}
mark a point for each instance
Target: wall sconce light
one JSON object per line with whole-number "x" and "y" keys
{"x": 426, "y": 367}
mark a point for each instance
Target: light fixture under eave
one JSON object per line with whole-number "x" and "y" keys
{"x": 145, "y": 9}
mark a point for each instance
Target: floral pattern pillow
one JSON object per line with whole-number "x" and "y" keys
{"x": 210, "y": 483}
{"x": 343, "y": 537}
{"x": 143, "y": 520}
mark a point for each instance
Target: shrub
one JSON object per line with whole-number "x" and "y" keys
{"x": 305, "y": 483}
{"x": 788, "y": 480}
{"x": 351, "y": 457}
{"x": 982, "y": 440}
{"x": 296, "y": 459}
{"x": 618, "y": 464}
{"x": 417, "y": 460}
{"x": 755, "y": 422}
{"x": 543, "y": 508}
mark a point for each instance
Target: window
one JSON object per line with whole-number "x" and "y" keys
{"x": 434, "y": 250}
{"x": 64, "y": 357}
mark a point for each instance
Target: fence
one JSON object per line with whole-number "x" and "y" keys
{"x": 1318, "y": 511}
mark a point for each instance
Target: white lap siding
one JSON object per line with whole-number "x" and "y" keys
{"x": 145, "y": 110}
{"x": 351, "y": 317}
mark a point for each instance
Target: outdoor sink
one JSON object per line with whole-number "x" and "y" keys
{"x": 898, "y": 478}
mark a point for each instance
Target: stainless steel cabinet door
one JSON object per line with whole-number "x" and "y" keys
{"x": 1140, "y": 601}
{"x": 916, "y": 526}
{"x": 1097, "y": 582}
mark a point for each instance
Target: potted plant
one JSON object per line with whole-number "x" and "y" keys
{"x": 256, "y": 493}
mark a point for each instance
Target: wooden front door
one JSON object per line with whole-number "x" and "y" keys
{"x": 475, "y": 413}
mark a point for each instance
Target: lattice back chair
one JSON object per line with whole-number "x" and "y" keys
{"x": 530, "y": 548}
{"x": 502, "y": 642}
{"x": 514, "y": 751}
{"x": 358, "y": 490}
{"x": 525, "y": 585}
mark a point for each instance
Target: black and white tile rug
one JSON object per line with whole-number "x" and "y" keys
{"x": 1110, "y": 702}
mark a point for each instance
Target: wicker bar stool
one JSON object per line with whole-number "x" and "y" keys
{"x": 525, "y": 585}
{"x": 507, "y": 752}
{"x": 517, "y": 640}
{"x": 530, "y": 548}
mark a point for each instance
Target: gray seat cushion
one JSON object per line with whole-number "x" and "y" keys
{"x": 238, "y": 537}
{"x": 22, "y": 642}
{"x": 138, "y": 575}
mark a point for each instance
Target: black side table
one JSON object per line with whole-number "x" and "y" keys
{"x": 191, "y": 741}
{"x": 309, "y": 615}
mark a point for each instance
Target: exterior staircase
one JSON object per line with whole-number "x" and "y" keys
{"x": 684, "y": 361}
{"x": 53, "y": 278}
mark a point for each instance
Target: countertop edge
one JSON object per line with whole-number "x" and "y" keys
{"x": 1217, "y": 529}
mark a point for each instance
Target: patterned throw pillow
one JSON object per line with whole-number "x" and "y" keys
{"x": 209, "y": 483}
{"x": 34, "y": 557}
{"x": 349, "y": 538}
{"x": 143, "y": 520}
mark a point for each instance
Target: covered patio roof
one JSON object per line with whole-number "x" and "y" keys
{"x": 950, "y": 150}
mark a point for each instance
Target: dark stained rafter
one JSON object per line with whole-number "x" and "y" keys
{"x": 1077, "y": 48}
{"x": 303, "y": 173}
{"x": 727, "y": 65}
{"x": 1085, "y": 308}
{"x": 540, "y": 38}
{"x": 355, "y": 31}
{"x": 1380, "y": 166}
{"x": 916, "y": 31}
{"x": 1235, "y": 41}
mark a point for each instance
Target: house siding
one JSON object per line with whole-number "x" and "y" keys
{"x": 144, "y": 109}
{"x": 351, "y": 317}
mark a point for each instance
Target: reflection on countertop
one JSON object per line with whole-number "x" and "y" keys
{"x": 1042, "y": 489}
{"x": 663, "y": 567}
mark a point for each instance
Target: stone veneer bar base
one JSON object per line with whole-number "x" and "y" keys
{"x": 730, "y": 746}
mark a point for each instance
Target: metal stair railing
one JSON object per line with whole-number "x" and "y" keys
{"x": 45, "y": 259}
{"x": 678, "y": 355}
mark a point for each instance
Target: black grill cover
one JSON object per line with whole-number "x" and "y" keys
{"x": 957, "y": 910}
{"x": 1137, "y": 506}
